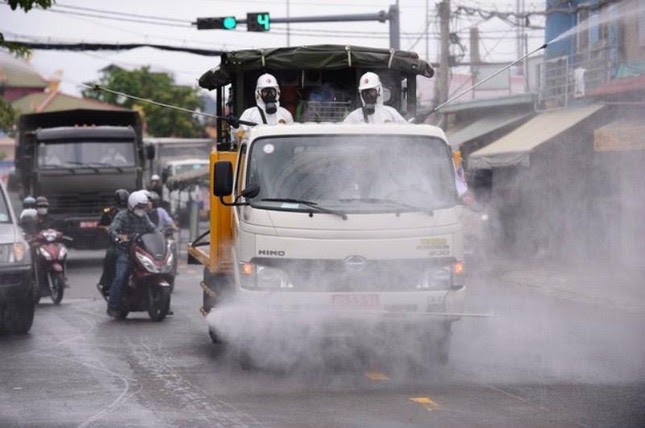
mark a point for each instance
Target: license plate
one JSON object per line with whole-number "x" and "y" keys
{"x": 89, "y": 224}
{"x": 355, "y": 300}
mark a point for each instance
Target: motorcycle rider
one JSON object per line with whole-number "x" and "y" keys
{"x": 109, "y": 262}
{"x": 28, "y": 215}
{"x": 42, "y": 208}
{"x": 126, "y": 224}
{"x": 370, "y": 90}
{"x": 158, "y": 215}
{"x": 267, "y": 109}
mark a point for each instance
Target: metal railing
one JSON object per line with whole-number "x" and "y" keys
{"x": 565, "y": 78}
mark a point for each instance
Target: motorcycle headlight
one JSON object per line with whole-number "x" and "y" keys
{"x": 147, "y": 263}
{"x": 264, "y": 277}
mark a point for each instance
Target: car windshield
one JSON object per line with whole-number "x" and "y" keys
{"x": 353, "y": 173}
{"x": 86, "y": 154}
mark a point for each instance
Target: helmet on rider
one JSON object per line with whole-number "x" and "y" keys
{"x": 29, "y": 202}
{"x": 138, "y": 202}
{"x": 267, "y": 93}
{"x": 370, "y": 90}
{"x": 121, "y": 198}
{"x": 153, "y": 197}
{"x": 42, "y": 205}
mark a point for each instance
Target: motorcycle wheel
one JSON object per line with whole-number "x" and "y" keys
{"x": 56, "y": 286}
{"x": 158, "y": 302}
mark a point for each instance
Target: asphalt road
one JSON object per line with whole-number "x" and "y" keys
{"x": 537, "y": 361}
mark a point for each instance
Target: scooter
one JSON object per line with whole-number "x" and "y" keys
{"x": 149, "y": 285}
{"x": 50, "y": 254}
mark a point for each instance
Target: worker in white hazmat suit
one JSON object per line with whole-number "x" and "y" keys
{"x": 267, "y": 109}
{"x": 373, "y": 110}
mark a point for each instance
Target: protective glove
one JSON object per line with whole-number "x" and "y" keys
{"x": 233, "y": 121}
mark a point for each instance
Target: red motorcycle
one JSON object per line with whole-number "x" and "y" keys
{"x": 149, "y": 285}
{"x": 50, "y": 258}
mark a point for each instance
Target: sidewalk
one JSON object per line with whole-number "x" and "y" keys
{"x": 615, "y": 286}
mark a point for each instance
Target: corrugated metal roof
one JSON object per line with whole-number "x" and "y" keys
{"x": 17, "y": 73}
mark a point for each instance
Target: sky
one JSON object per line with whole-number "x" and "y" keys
{"x": 75, "y": 21}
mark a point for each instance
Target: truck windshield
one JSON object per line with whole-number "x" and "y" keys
{"x": 89, "y": 153}
{"x": 354, "y": 173}
{"x": 4, "y": 209}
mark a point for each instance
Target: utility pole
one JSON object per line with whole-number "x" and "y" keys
{"x": 441, "y": 88}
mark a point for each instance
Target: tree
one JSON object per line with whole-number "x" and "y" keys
{"x": 25, "y": 5}
{"x": 160, "y": 87}
{"x": 7, "y": 113}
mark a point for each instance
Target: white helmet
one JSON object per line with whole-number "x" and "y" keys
{"x": 138, "y": 199}
{"x": 371, "y": 80}
{"x": 266, "y": 81}
{"x": 155, "y": 177}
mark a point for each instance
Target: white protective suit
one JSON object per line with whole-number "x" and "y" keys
{"x": 382, "y": 113}
{"x": 253, "y": 114}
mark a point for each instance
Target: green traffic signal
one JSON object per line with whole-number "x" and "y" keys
{"x": 229, "y": 22}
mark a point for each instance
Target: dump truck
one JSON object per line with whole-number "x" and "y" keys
{"x": 77, "y": 159}
{"x": 355, "y": 223}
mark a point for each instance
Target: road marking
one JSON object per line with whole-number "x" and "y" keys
{"x": 426, "y": 402}
{"x": 378, "y": 376}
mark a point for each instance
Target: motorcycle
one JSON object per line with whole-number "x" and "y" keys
{"x": 50, "y": 259}
{"x": 149, "y": 284}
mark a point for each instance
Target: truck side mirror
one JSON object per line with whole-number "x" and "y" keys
{"x": 222, "y": 178}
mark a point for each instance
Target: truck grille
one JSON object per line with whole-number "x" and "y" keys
{"x": 355, "y": 275}
{"x": 80, "y": 204}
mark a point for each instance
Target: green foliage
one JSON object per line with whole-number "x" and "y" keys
{"x": 8, "y": 116}
{"x": 159, "y": 87}
{"x": 27, "y": 5}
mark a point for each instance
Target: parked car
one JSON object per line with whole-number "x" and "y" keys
{"x": 17, "y": 301}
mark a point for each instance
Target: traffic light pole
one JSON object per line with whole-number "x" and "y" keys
{"x": 392, "y": 15}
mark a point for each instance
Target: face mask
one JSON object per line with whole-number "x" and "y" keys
{"x": 42, "y": 211}
{"x": 139, "y": 212}
{"x": 369, "y": 98}
{"x": 268, "y": 95}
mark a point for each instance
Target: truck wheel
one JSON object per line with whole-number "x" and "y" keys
{"x": 18, "y": 316}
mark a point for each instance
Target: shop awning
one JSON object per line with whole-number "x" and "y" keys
{"x": 620, "y": 135}
{"x": 484, "y": 126}
{"x": 515, "y": 147}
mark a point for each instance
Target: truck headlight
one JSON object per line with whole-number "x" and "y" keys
{"x": 264, "y": 277}
{"x": 443, "y": 277}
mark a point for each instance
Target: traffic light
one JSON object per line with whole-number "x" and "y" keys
{"x": 220, "y": 23}
{"x": 258, "y": 21}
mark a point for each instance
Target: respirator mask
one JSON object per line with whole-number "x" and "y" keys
{"x": 269, "y": 97}
{"x": 369, "y": 100}
{"x": 139, "y": 212}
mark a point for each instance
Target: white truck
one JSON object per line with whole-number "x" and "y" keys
{"x": 328, "y": 229}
